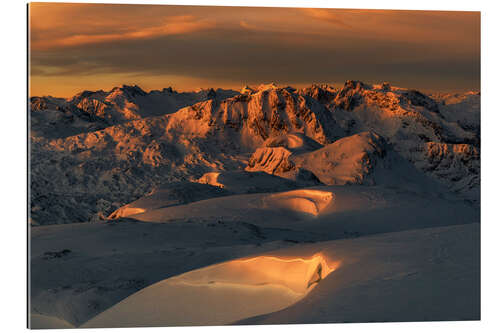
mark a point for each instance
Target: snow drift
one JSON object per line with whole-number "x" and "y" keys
{"x": 303, "y": 201}
{"x": 220, "y": 294}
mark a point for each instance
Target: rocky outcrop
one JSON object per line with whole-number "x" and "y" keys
{"x": 457, "y": 165}
{"x": 272, "y": 160}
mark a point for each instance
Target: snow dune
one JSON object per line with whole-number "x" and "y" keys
{"x": 178, "y": 193}
{"x": 246, "y": 182}
{"x": 220, "y": 294}
{"x": 335, "y": 209}
{"x": 126, "y": 211}
{"x": 302, "y": 201}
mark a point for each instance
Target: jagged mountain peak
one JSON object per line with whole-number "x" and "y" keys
{"x": 168, "y": 90}
{"x": 129, "y": 90}
{"x": 354, "y": 94}
{"x": 323, "y": 93}
{"x": 262, "y": 115}
{"x": 263, "y": 88}
{"x": 88, "y": 94}
{"x": 247, "y": 90}
{"x": 91, "y": 110}
{"x": 267, "y": 86}
{"x": 46, "y": 103}
{"x": 356, "y": 85}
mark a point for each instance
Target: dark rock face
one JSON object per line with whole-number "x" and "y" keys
{"x": 321, "y": 93}
{"x": 211, "y": 94}
{"x": 415, "y": 97}
{"x": 386, "y": 86}
{"x": 350, "y": 96}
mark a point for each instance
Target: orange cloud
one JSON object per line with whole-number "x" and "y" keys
{"x": 73, "y": 46}
{"x": 175, "y": 25}
{"x": 398, "y": 25}
{"x": 326, "y": 15}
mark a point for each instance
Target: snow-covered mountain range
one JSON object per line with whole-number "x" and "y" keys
{"x": 100, "y": 150}
{"x": 319, "y": 204}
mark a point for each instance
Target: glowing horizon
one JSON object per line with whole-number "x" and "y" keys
{"x": 77, "y": 47}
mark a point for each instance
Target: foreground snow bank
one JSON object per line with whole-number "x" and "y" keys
{"x": 415, "y": 275}
{"x": 220, "y": 294}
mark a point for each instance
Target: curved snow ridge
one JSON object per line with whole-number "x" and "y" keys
{"x": 311, "y": 202}
{"x": 125, "y": 211}
{"x": 220, "y": 294}
{"x": 288, "y": 141}
{"x": 293, "y": 141}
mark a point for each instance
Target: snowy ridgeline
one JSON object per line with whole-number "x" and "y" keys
{"x": 98, "y": 151}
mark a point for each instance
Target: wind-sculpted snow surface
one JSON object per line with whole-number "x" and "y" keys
{"x": 172, "y": 194}
{"x": 329, "y": 209}
{"x": 210, "y": 185}
{"x": 420, "y": 274}
{"x": 296, "y": 142}
{"x": 220, "y": 294}
{"x": 303, "y": 201}
{"x": 111, "y": 148}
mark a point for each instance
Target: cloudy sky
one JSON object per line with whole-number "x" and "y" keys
{"x": 92, "y": 46}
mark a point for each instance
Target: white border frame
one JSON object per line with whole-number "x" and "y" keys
{"x": 14, "y": 170}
